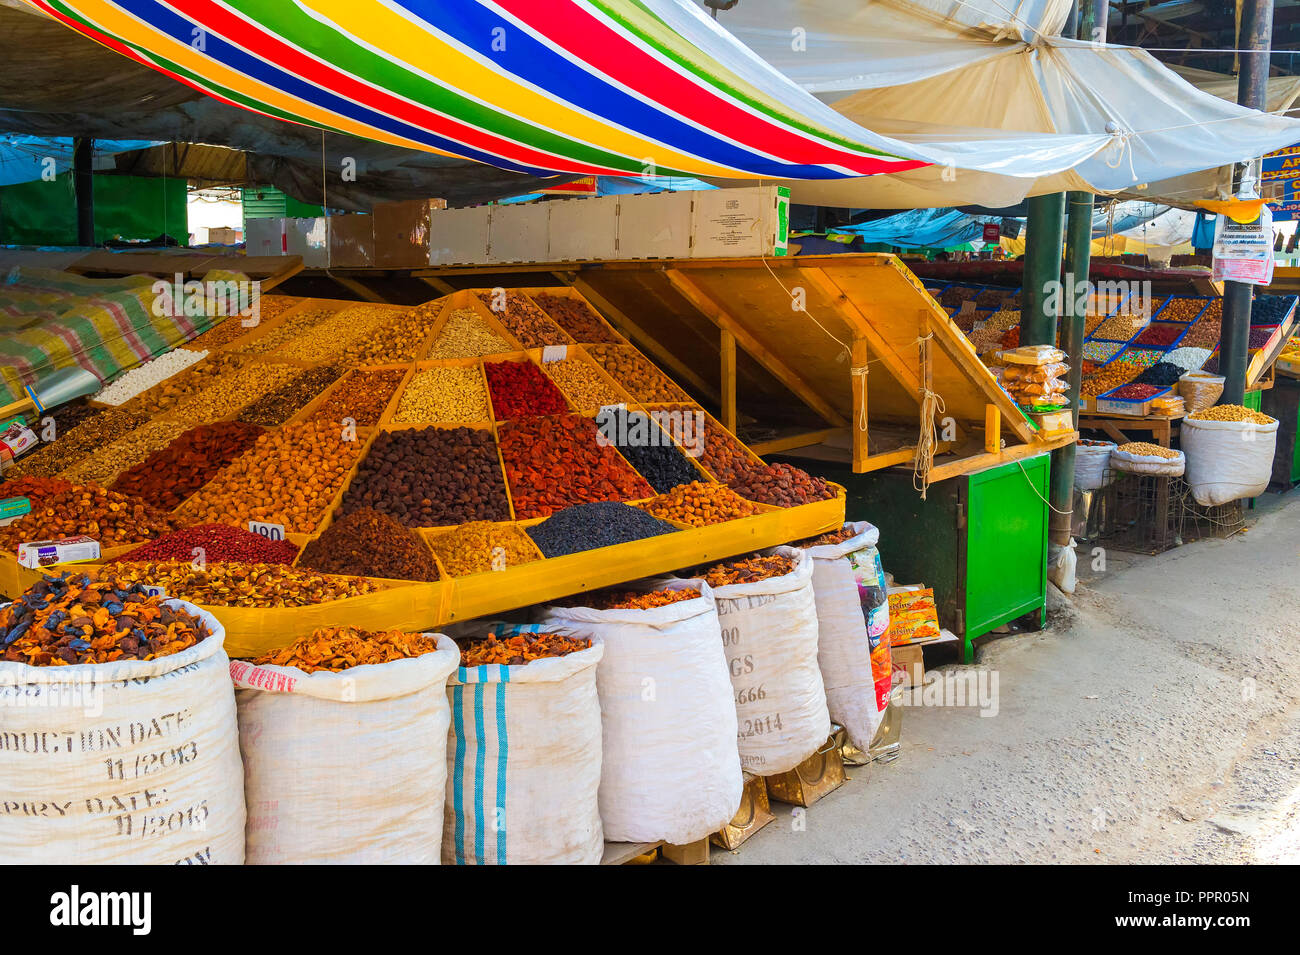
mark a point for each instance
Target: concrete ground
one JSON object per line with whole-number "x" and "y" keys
{"x": 1156, "y": 720}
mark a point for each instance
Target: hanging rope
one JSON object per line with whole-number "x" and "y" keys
{"x": 927, "y": 441}
{"x": 860, "y": 379}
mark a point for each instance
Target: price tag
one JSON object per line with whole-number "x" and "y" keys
{"x": 552, "y": 353}
{"x": 612, "y": 409}
{"x": 272, "y": 532}
{"x": 154, "y": 591}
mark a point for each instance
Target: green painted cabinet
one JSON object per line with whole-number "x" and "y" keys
{"x": 980, "y": 540}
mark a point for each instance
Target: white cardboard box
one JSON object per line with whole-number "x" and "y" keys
{"x": 754, "y": 220}
{"x": 655, "y": 225}
{"x": 460, "y": 236}
{"x": 519, "y": 232}
{"x": 584, "y": 229}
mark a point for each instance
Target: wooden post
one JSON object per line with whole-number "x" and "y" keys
{"x": 992, "y": 429}
{"x": 860, "y": 449}
{"x": 728, "y": 380}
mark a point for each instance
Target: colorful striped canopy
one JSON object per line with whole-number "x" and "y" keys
{"x": 641, "y": 87}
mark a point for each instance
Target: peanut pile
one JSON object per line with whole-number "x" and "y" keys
{"x": 635, "y": 375}
{"x": 342, "y": 648}
{"x": 1181, "y": 309}
{"x": 699, "y": 505}
{"x": 466, "y": 335}
{"x": 243, "y": 585}
{"x": 1146, "y": 449}
{"x": 229, "y": 394}
{"x": 582, "y": 384}
{"x": 451, "y": 395}
{"x": 481, "y": 546}
{"x": 400, "y": 338}
{"x": 1231, "y": 413}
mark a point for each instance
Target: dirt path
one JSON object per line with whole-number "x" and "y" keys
{"x": 1157, "y": 722}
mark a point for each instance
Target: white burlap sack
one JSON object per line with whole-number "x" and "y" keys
{"x": 843, "y": 640}
{"x": 1147, "y": 463}
{"x": 1092, "y": 465}
{"x": 671, "y": 769}
{"x": 769, "y": 632}
{"x": 346, "y": 767}
{"x": 523, "y": 763}
{"x": 1228, "y": 460}
{"x": 125, "y": 763}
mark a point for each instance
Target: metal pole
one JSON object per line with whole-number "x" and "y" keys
{"x": 1252, "y": 91}
{"x": 1042, "y": 266}
{"x": 83, "y": 184}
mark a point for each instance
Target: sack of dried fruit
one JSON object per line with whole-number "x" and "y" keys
{"x": 1142, "y": 457}
{"x": 118, "y": 742}
{"x": 1229, "y": 452}
{"x": 343, "y": 740}
{"x": 523, "y": 757}
{"x": 852, "y": 618}
{"x": 671, "y": 769}
{"x": 769, "y": 632}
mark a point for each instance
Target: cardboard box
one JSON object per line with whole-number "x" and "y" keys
{"x": 266, "y": 237}
{"x": 819, "y": 774}
{"x": 65, "y": 550}
{"x": 740, "y": 222}
{"x": 519, "y": 232}
{"x": 401, "y": 232}
{"x": 754, "y": 813}
{"x": 460, "y": 236}
{"x": 583, "y": 230}
{"x": 352, "y": 241}
{"x": 223, "y": 235}
{"x": 655, "y": 226}
{"x": 909, "y": 660}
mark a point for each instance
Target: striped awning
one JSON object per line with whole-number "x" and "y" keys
{"x": 610, "y": 87}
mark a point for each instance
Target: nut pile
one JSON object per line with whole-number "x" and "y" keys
{"x": 480, "y": 546}
{"x": 362, "y": 396}
{"x": 127, "y": 451}
{"x": 582, "y": 384}
{"x": 431, "y": 477}
{"x": 1231, "y": 413}
{"x": 182, "y": 387}
{"x": 167, "y": 477}
{"x": 288, "y": 477}
{"x": 577, "y": 319}
{"x": 1120, "y": 328}
{"x": 69, "y": 447}
{"x": 444, "y": 394}
{"x": 64, "y": 419}
{"x": 218, "y": 542}
{"x": 1107, "y": 377}
{"x": 243, "y": 585}
{"x": 554, "y": 462}
{"x": 1145, "y": 449}
{"x": 519, "y": 648}
{"x": 326, "y": 339}
{"x": 525, "y": 321}
{"x": 699, "y": 505}
{"x": 73, "y": 619}
{"x": 648, "y": 448}
{"x": 1204, "y": 334}
{"x": 520, "y": 389}
{"x": 1181, "y": 309}
{"x": 110, "y": 518}
{"x": 466, "y": 335}
{"x": 635, "y": 375}
{"x": 783, "y": 485}
{"x": 400, "y": 338}
{"x": 231, "y": 393}
{"x": 342, "y": 648}
{"x": 298, "y": 324}
{"x": 589, "y": 526}
{"x": 283, "y": 403}
{"x": 143, "y": 377}
{"x": 746, "y": 570}
{"x": 370, "y": 544}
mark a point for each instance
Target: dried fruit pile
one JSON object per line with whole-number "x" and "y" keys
{"x": 552, "y": 463}
{"x": 1162, "y": 374}
{"x": 648, "y": 448}
{"x": 298, "y": 324}
{"x": 1134, "y": 392}
{"x": 1270, "y": 309}
{"x": 431, "y": 477}
{"x": 1231, "y": 413}
{"x": 288, "y": 477}
{"x": 370, "y": 544}
{"x": 831, "y": 537}
{"x": 73, "y": 619}
{"x": 400, "y": 338}
{"x": 481, "y": 546}
{"x": 1159, "y": 336}
{"x": 286, "y": 401}
{"x": 746, "y": 570}
{"x": 1107, "y": 377}
{"x": 783, "y": 485}
{"x": 362, "y": 397}
{"x": 327, "y": 339}
{"x": 524, "y": 320}
{"x": 214, "y": 542}
{"x": 450, "y": 395}
{"x": 699, "y": 505}
{"x": 520, "y": 389}
{"x": 168, "y": 477}
{"x": 33, "y": 487}
{"x": 519, "y": 648}
{"x": 1181, "y": 310}
{"x": 577, "y": 319}
{"x": 243, "y": 585}
{"x": 107, "y": 463}
{"x": 589, "y": 526}
{"x": 342, "y": 648}
{"x": 722, "y": 455}
{"x": 466, "y": 335}
{"x": 635, "y": 375}
{"x": 112, "y": 519}
{"x": 631, "y": 599}
{"x": 69, "y": 447}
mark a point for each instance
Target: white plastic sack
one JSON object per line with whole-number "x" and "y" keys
{"x": 769, "y": 632}
{"x": 1062, "y": 564}
{"x": 846, "y": 579}
{"x": 523, "y": 763}
{"x": 347, "y": 767}
{"x": 1147, "y": 463}
{"x": 134, "y": 762}
{"x": 671, "y": 768}
{"x": 1228, "y": 460}
{"x": 1092, "y": 464}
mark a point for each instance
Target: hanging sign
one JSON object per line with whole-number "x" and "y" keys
{"x": 992, "y": 232}
{"x": 1282, "y": 170}
{"x": 1243, "y": 251}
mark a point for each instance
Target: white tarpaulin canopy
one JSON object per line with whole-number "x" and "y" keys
{"x": 924, "y": 71}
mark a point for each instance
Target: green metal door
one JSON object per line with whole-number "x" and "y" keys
{"x": 1006, "y": 543}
